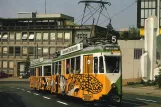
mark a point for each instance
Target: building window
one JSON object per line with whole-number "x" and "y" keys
{"x": 31, "y": 50}
{"x": 5, "y": 64}
{"x": 45, "y": 36}
{"x": 24, "y": 36}
{"x": 12, "y": 36}
{"x": 31, "y": 36}
{"x": 158, "y": 56}
{"x": 11, "y": 50}
{"x": 11, "y": 64}
{"x": 18, "y": 36}
{"x": 60, "y": 36}
{"x": 5, "y": 50}
{"x": 38, "y": 36}
{"x": 52, "y": 51}
{"x": 24, "y": 50}
{"x": 146, "y": 8}
{"x": 5, "y": 36}
{"x": 39, "y": 50}
{"x": 45, "y": 50}
{"x": 17, "y": 50}
{"x": 137, "y": 53}
{"x": 67, "y": 36}
{"x": 52, "y": 36}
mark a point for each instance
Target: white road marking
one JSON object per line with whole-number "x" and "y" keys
{"x": 46, "y": 97}
{"x": 131, "y": 103}
{"x": 12, "y": 87}
{"x": 36, "y": 94}
{"x": 29, "y": 91}
{"x": 146, "y": 100}
{"x": 62, "y": 102}
{"x": 22, "y": 89}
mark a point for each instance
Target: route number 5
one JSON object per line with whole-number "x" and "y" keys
{"x": 113, "y": 39}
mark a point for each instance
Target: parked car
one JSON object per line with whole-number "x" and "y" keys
{"x": 3, "y": 74}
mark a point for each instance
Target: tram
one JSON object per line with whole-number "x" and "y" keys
{"x": 90, "y": 71}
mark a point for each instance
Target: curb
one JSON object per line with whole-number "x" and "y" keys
{"x": 142, "y": 91}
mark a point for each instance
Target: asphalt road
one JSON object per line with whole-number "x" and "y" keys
{"x": 18, "y": 94}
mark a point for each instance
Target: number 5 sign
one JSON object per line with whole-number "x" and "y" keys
{"x": 113, "y": 39}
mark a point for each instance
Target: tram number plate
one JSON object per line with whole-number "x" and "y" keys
{"x": 87, "y": 97}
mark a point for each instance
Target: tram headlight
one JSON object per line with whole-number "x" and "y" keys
{"x": 113, "y": 85}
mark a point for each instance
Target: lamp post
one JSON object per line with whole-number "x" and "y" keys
{"x": 37, "y": 50}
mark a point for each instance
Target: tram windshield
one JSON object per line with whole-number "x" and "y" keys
{"x": 112, "y": 64}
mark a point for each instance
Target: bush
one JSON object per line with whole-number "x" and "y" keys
{"x": 158, "y": 79}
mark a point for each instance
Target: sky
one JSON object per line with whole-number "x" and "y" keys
{"x": 9, "y": 9}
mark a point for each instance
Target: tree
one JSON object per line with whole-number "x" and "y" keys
{"x": 108, "y": 32}
{"x": 27, "y": 64}
{"x": 131, "y": 34}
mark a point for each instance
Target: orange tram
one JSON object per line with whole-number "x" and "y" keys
{"x": 92, "y": 73}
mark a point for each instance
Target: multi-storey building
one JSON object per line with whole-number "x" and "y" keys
{"x": 37, "y": 35}
{"x": 146, "y": 8}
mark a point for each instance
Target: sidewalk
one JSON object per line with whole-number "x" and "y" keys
{"x": 14, "y": 79}
{"x": 146, "y": 90}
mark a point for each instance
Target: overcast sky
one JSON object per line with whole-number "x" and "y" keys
{"x": 9, "y": 9}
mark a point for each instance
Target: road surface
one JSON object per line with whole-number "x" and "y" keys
{"x": 18, "y": 94}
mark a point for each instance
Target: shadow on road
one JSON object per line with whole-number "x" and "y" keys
{"x": 11, "y": 99}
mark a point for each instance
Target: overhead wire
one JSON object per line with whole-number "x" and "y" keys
{"x": 120, "y": 11}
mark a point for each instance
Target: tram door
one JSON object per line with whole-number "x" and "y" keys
{"x": 88, "y": 64}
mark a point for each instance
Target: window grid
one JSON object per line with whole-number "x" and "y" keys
{"x": 137, "y": 53}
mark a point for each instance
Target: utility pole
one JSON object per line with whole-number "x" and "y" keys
{"x": 37, "y": 51}
{"x": 158, "y": 16}
{"x": 45, "y": 6}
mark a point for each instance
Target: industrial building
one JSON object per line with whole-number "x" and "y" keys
{"x": 37, "y": 35}
{"x": 146, "y": 8}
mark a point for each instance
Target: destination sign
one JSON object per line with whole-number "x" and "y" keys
{"x": 71, "y": 49}
{"x": 111, "y": 48}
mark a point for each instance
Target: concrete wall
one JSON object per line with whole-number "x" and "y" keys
{"x": 130, "y": 67}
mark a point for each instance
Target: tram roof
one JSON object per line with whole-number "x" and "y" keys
{"x": 40, "y": 62}
{"x": 88, "y": 50}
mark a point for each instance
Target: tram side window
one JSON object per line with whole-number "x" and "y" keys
{"x": 95, "y": 65}
{"x": 67, "y": 66}
{"x": 101, "y": 67}
{"x": 78, "y": 64}
{"x": 72, "y": 65}
{"x": 59, "y": 67}
{"x": 56, "y": 67}
{"x": 32, "y": 72}
{"x": 53, "y": 66}
{"x": 47, "y": 70}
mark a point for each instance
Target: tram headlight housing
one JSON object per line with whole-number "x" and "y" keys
{"x": 113, "y": 85}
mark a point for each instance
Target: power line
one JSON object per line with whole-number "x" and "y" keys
{"x": 82, "y": 15}
{"x": 120, "y": 11}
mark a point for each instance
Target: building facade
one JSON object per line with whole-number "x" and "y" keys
{"x": 131, "y": 64}
{"x": 36, "y": 35}
{"x": 146, "y": 8}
